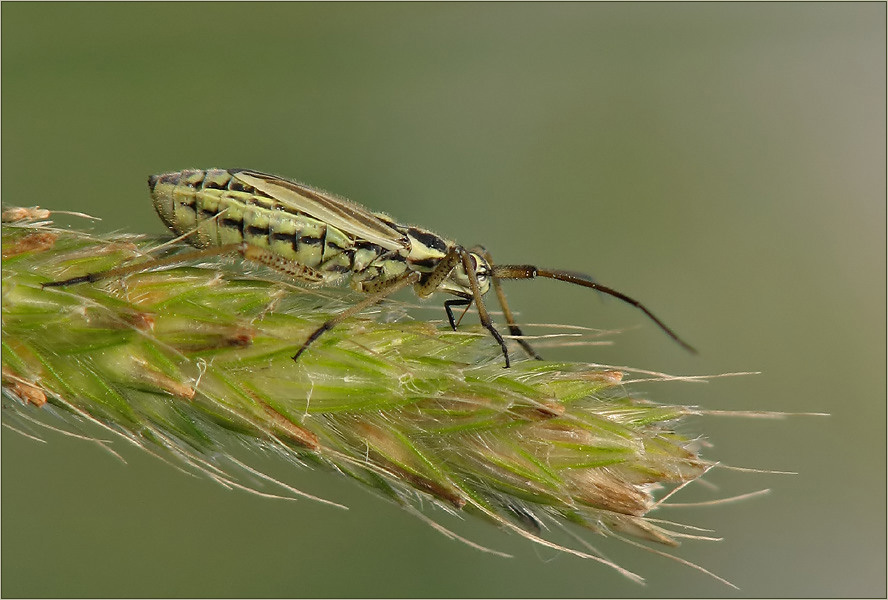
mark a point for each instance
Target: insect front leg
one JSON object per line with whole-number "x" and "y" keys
{"x": 433, "y": 280}
{"x": 385, "y": 289}
{"x": 501, "y": 296}
{"x": 448, "y": 304}
{"x": 479, "y": 302}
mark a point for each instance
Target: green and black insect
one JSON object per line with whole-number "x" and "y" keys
{"x": 321, "y": 239}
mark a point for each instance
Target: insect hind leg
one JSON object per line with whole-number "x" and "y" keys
{"x": 247, "y": 251}
{"x": 169, "y": 261}
{"x": 281, "y": 264}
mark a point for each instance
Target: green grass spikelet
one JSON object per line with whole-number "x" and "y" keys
{"x": 178, "y": 359}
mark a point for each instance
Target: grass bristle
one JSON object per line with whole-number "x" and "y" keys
{"x": 179, "y": 360}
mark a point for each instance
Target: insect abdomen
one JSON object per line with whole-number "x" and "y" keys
{"x": 214, "y": 208}
{"x": 185, "y": 199}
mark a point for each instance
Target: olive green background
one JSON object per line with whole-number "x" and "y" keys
{"x": 724, "y": 163}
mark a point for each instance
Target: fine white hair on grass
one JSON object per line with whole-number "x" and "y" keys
{"x": 188, "y": 361}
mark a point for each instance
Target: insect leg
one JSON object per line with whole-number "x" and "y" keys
{"x": 476, "y": 294}
{"x": 432, "y": 281}
{"x": 501, "y": 296}
{"x": 388, "y": 288}
{"x": 146, "y": 266}
{"x": 448, "y": 304}
{"x": 277, "y": 262}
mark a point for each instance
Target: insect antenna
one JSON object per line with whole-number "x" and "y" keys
{"x": 530, "y": 272}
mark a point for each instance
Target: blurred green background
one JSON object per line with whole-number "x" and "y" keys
{"x": 724, "y": 163}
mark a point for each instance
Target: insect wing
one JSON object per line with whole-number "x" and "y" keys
{"x": 347, "y": 216}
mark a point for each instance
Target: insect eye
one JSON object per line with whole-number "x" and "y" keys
{"x": 480, "y": 266}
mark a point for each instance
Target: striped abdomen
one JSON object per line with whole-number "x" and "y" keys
{"x": 190, "y": 202}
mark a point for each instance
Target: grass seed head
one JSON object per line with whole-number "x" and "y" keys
{"x": 181, "y": 359}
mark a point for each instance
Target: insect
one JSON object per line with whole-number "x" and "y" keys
{"x": 318, "y": 238}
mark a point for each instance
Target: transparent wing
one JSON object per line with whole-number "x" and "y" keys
{"x": 343, "y": 214}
